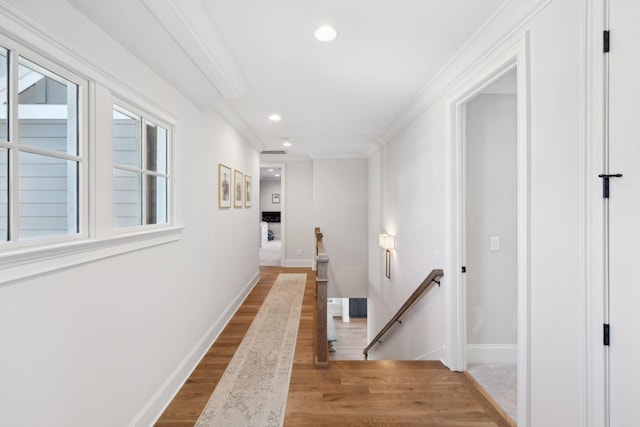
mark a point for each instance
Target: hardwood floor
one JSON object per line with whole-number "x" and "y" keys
{"x": 351, "y": 339}
{"x": 349, "y": 393}
{"x": 186, "y": 407}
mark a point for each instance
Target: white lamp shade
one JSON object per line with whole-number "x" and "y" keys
{"x": 387, "y": 241}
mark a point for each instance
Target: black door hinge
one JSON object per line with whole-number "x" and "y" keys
{"x": 606, "y": 42}
{"x": 606, "y": 334}
{"x": 464, "y": 269}
{"x": 605, "y": 183}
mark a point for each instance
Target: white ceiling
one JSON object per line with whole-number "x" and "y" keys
{"x": 250, "y": 58}
{"x": 269, "y": 174}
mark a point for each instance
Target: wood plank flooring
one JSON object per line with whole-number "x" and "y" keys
{"x": 351, "y": 339}
{"x": 349, "y": 393}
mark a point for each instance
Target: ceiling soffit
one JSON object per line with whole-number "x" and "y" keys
{"x": 188, "y": 24}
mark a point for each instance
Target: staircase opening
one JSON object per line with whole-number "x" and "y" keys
{"x": 346, "y": 328}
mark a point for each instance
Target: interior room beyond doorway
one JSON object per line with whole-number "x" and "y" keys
{"x": 271, "y": 235}
{"x": 490, "y": 240}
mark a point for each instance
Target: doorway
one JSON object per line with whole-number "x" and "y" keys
{"x": 489, "y": 236}
{"x": 465, "y": 325}
{"x": 271, "y": 215}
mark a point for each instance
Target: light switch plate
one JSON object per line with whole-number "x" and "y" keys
{"x": 495, "y": 243}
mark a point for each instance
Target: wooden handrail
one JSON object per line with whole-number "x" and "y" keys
{"x": 426, "y": 284}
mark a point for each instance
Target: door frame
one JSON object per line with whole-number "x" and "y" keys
{"x": 283, "y": 201}
{"x": 493, "y": 66}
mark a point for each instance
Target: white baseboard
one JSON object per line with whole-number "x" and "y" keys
{"x": 492, "y": 353}
{"x": 298, "y": 263}
{"x": 436, "y": 354}
{"x": 168, "y": 390}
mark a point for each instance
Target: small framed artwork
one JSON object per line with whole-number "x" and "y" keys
{"x": 238, "y": 183}
{"x": 275, "y": 199}
{"x": 224, "y": 186}
{"x": 247, "y": 191}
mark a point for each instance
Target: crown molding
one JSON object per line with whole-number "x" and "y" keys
{"x": 337, "y": 156}
{"x": 189, "y": 24}
{"x": 231, "y": 116}
{"x": 438, "y": 85}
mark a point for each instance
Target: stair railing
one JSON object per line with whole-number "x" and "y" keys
{"x": 426, "y": 284}
{"x": 322, "y": 280}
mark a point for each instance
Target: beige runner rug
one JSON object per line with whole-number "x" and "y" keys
{"x": 253, "y": 389}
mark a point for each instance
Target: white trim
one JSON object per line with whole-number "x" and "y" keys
{"x": 30, "y": 262}
{"x": 594, "y": 313}
{"x": 340, "y": 156}
{"x": 283, "y": 211}
{"x": 503, "y": 59}
{"x": 439, "y": 85}
{"x": 492, "y": 353}
{"x": 586, "y": 201}
{"x": 161, "y": 399}
{"x": 188, "y": 23}
{"x": 18, "y": 28}
{"x": 97, "y": 239}
{"x": 34, "y": 62}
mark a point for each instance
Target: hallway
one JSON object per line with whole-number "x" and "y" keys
{"x": 349, "y": 392}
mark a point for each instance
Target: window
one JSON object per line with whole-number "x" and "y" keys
{"x": 54, "y": 152}
{"x": 40, "y": 155}
{"x": 140, "y": 170}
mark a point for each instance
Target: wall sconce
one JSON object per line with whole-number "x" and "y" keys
{"x": 387, "y": 242}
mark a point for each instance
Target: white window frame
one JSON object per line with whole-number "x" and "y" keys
{"x": 155, "y": 117}
{"x": 97, "y": 239}
{"x": 17, "y": 51}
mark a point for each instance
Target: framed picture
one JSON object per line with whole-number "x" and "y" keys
{"x": 224, "y": 186}
{"x": 247, "y": 191}
{"x": 275, "y": 199}
{"x": 238, "y": 183}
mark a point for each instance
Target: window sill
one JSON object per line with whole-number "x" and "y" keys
{"x": 26, "y": 263}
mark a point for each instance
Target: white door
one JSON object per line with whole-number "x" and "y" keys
{"x": 624, "y": 205}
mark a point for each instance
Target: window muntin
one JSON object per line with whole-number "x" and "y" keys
{"x": 96, "y": 237}
{"x": 39, "y": 162}
{"x": 140, "y": 170}
{"x": 4, "y": 94}
{"x": 47, "y": 110}
{"x": 4, "y": 194}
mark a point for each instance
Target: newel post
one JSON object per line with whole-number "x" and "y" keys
{"x": 322, "y": 280}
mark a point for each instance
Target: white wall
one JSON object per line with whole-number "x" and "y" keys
{"x": 107, "y": 343}
{"x": 340, "y": 201}
{"x": 491, "y": 212}
{"x": 415, "y": 165}
{"x": 412, "y": 200}
{"x": 299, "y": 243}
{"x": 267, "y": 188}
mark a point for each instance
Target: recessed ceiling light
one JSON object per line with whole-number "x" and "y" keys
{"x": 287, "y": 144}
{"x": 277, "y": 174}
{"x": 270, "y": 170}
{"x": 275, "y": 117}
{"x": 326, "y": 33}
